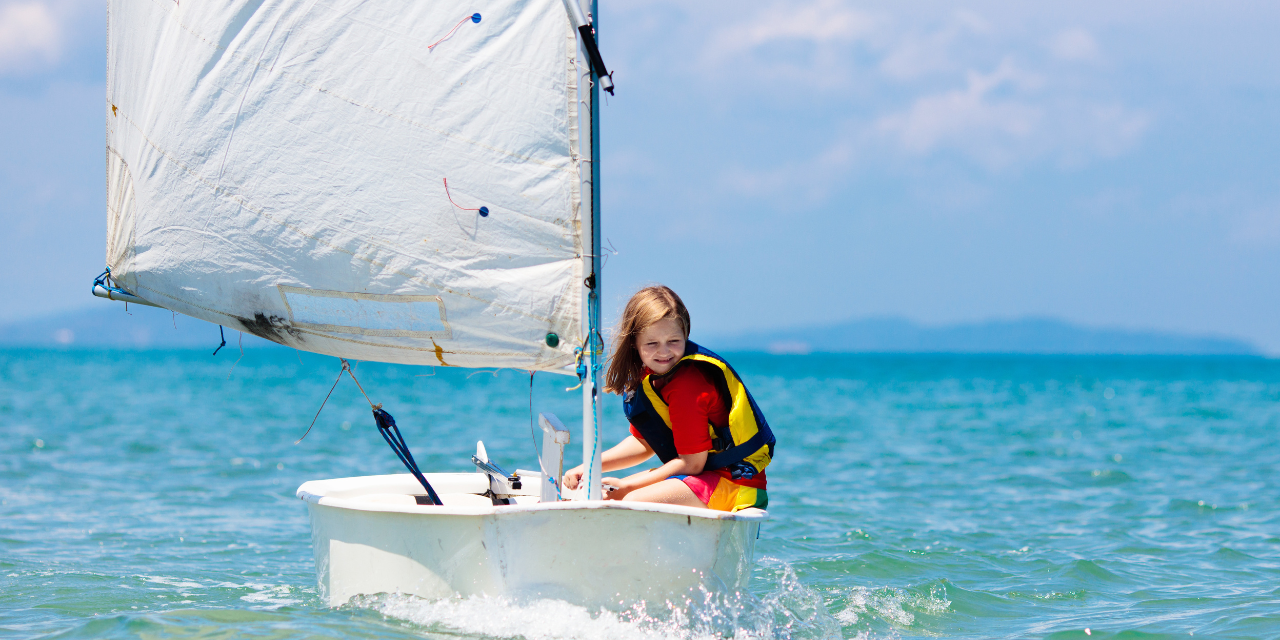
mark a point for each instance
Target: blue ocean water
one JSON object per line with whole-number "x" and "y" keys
{"x": 151, "y": 494}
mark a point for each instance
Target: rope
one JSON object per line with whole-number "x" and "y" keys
{"x": 326, "y": 399}
{"x": 347, "y": 367}
{"x": 224, "y": 340}
{"x": 484, "y": 211}
{"x": 104, "y": 280}
{"x": 391, "y": 433}
{"x": 240, "y": 343}
{"x": 475, "y": 17}
{"x": 597, "y": 349}
{"x": 533, "y": 434}
{"x": 386, "y": 426}
{"x": 607, "y": 251}
{"x": 595, "y": 428}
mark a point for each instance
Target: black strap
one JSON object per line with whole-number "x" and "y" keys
{"x": 391, "y": 433}
{"x": 739, "y": 452}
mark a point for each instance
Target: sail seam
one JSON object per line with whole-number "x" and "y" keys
{"x": 549, "y": 365}
{"x": 407, "y": 348}
{"x": 570, "y": 298}
{"x": 445, "y": 333}
{"x": 188, "y": 303}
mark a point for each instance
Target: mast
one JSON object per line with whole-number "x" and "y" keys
{"x": 594, "y": 345}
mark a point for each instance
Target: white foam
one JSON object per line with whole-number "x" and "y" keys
{"x": 180, "y": 583}
{"x": 891, "y": 604}
{"x": 789, "y": 610}
{"x": 538, "y": 620}
{"x": 268, "y": 596}
{"x": 264, "y": 596}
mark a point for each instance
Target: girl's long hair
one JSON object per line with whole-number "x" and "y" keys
{"x": 647, "y": 306}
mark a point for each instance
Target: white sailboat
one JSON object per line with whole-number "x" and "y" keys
{"x": 399, "y": 182}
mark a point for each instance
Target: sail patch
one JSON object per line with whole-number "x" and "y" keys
{"x": 369, "y": 314}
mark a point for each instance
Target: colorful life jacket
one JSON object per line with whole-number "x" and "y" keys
{"x": 744, "y": 447}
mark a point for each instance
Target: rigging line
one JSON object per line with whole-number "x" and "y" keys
{"x": 224, "y": 340}
{"x": 391, "y": 433}
{"x": 475, "y": 17}
{"x": 326, "y": 399}
{"x": 534, "y": 434}
{"x": 607, "y": 251}
{"x": 610, "y": 249}
{"x": 595, "y": 429}
{"x": 347, "y": 367}
{"x": 239, "y": 342}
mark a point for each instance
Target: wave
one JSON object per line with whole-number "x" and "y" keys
{"x": 787, "y": 610}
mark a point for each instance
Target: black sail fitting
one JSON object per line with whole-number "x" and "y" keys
{"x": 597, "y": 63}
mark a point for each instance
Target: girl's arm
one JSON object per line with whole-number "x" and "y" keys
{"x": 686, "y": 465}
{"x": 628, "y": 453}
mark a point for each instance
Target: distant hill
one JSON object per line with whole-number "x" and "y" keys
{"x": 1032, "y": 335}
{"x": 106, "y": 323}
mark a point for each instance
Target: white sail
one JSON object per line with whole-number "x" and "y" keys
{"x": 279, "y": 167}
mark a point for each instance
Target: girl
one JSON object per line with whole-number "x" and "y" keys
{"x": 686, "y": 405}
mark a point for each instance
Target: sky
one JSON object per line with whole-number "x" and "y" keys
{"x": 803, "y": 162}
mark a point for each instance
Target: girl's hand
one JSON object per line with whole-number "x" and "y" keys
{"x": 620, "y": 492}
{"x": 573, "y": 477}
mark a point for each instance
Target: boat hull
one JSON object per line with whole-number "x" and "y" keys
{"x": 593, "y": 553}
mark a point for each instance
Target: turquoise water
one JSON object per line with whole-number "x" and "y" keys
{"x": 151, "y": 494}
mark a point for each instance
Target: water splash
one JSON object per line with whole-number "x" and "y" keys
{"x": 892, "y": 605}
{"x": 262, "y": 596}
{"x": 787, "y": 610}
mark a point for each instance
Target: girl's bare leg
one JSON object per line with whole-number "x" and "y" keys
{"x": 669, "y": 491}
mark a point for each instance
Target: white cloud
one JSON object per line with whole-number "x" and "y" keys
{"x": 968, "y": 117}
{"x": 1116, "y": 128}
{"x": 915, "y": 55}
{"x": 30, "y": 36}
{"x": 1074, "y": 45}
{"x": 821, "y": 22}
{"x": 1011, "y": 115}
{"x": 929, "y": 82}
{"x": 1257, "y": 228}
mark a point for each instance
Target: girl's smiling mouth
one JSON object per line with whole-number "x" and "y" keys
{"x": 661, "y": 345}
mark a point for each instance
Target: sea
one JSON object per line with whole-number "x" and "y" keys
{"x": 151, "y": 494}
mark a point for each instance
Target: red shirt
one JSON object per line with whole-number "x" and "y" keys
{"x": 694, "y": 403}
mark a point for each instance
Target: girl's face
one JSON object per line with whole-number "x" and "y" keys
{"x": 661, "y": 345}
